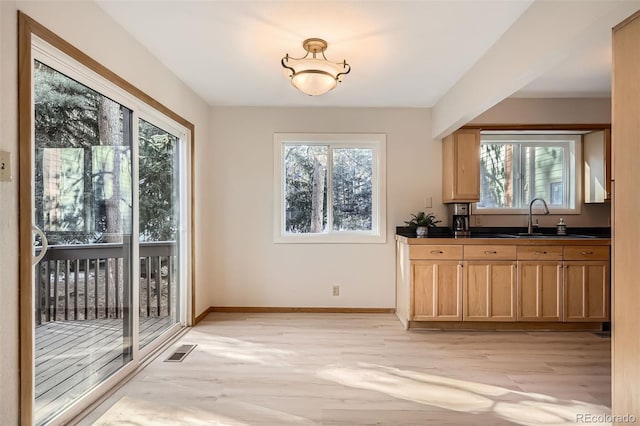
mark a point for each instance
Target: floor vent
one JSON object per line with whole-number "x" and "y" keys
{"x": 180, "y": 354}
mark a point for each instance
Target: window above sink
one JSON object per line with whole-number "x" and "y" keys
{"x": 516, "y": 167}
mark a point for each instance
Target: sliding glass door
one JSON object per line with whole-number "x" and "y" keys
{"x": 83, "y": 218}
{"x": 160, "y": 225}
{"x": 108, "y": 215}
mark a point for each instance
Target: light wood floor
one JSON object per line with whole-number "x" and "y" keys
{"x": 365, "y": 369}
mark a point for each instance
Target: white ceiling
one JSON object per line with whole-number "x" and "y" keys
{"x": 403, "y": 53}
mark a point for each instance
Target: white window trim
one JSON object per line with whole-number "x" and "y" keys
{"x": 575, "y": 171}
{"x": 376, "y": 141}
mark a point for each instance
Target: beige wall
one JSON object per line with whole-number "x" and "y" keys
{"x": 247, "y": 267}
{"x": 82, "y": 24}
{"x": 549, "y": 111}
{"x": 8, "y": 222}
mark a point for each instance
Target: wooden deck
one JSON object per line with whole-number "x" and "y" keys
{"x": 71, "y": 357}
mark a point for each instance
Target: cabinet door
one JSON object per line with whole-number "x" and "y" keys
{"x": 461, "y": 166}
{"x": 489, "y": 291}
{"x": 596, "y": 154}
{"x": 586, "y": 291}
{"x": 436, "y": 290}
{"x": 539, "y": 291}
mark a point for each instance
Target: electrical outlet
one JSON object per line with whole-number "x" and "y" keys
{"x": 428, "y": 202}
{"x": 336, "y": 290}
{"x": 5, "y": 166}
{"x": 478, "y": 220}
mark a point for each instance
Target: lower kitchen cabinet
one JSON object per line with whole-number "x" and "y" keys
{"x": 489, "y": 291}
{"x": 586, "y": 291}
{"x": 539, "y": 290}
{"x": 437, "y": 290}
{"x": 526, "y": 282}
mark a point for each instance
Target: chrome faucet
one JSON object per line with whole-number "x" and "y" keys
{"x": 530, "y": 223}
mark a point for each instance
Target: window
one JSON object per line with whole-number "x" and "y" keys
{"x": 515, "y": 168}
{"x": 329, "y": 188}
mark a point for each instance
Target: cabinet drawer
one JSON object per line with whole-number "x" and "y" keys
{"x": 586, "y": 253}
{"x": 448, "y": 252}
{"x": 539, "y": 252}
{"x": 490, "y": 252}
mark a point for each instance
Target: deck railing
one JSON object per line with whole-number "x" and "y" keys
{"x": 91, "y": 281}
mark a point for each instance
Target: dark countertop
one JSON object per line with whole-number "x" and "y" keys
{"x": 503, "y": 233}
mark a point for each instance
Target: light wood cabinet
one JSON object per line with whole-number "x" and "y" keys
{"x": 596, "y": 154}
{"x": 489, "y": 252}
{"x": 586, "y": 290}
{"x": 540, "y": 283}
{"x": 461, "y": 166}
{"x": 539, "y": 290}
{"x": 489, "y": 291}
{"x": 522, "y": 282}
{"x": 436, "y": 252}
{"x": 437, "y": 290}
{"x": 587, "y": 283}
{"x": 625, "y": 99}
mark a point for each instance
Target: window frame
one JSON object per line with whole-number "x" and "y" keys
{"x": 374, "y": 141}
{"x": 572, "y": 167}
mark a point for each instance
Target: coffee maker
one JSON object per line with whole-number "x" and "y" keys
{"x": 460, "y": 218}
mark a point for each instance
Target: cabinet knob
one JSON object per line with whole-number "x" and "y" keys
{"x": 436, "y": 252}
{"x": 490, "y": 252}
{"x": 586, "y": 252}
{"x": 539, "y": 252}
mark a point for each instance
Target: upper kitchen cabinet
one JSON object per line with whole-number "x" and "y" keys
{"x": 596, "y": 153}
{"x": 461, "y": 166}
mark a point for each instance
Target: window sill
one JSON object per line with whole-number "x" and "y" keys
{"x": 334, "y": 238}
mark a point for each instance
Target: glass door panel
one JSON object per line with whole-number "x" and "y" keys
{"x": 82, "y": 180}
{"x": 159, "y": 224}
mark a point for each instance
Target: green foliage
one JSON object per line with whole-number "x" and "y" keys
{"x": 351, "y": 184}
{"x": 91, "y": 197}
{"x": 352, "y": 189}
{"x": 493, "y": 175}
{"x": 422, "y": 219}
{"x": 158, "y": 192}
{"x": 65, "y": 110}
{"x": 299, "y": 162}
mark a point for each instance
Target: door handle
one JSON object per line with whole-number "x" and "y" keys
{"x": 45, "y": 245}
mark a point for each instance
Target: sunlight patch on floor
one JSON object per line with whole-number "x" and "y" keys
{"x": 242, "y": 350}
{"x": 527, "y": 409}
{"x": 131, "y": 411}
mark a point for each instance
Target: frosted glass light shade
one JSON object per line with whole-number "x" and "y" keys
{"x": 313, "y": 84}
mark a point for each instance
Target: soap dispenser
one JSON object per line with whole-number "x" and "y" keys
{"x": 561, "y": 227}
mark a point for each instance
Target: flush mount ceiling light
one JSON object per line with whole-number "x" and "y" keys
{"x": 314, "y": 75}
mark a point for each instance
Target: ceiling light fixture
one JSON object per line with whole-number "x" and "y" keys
{"x": 314, "y": 75}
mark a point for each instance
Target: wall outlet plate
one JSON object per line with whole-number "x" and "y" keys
{"x": 5, "y": 166}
